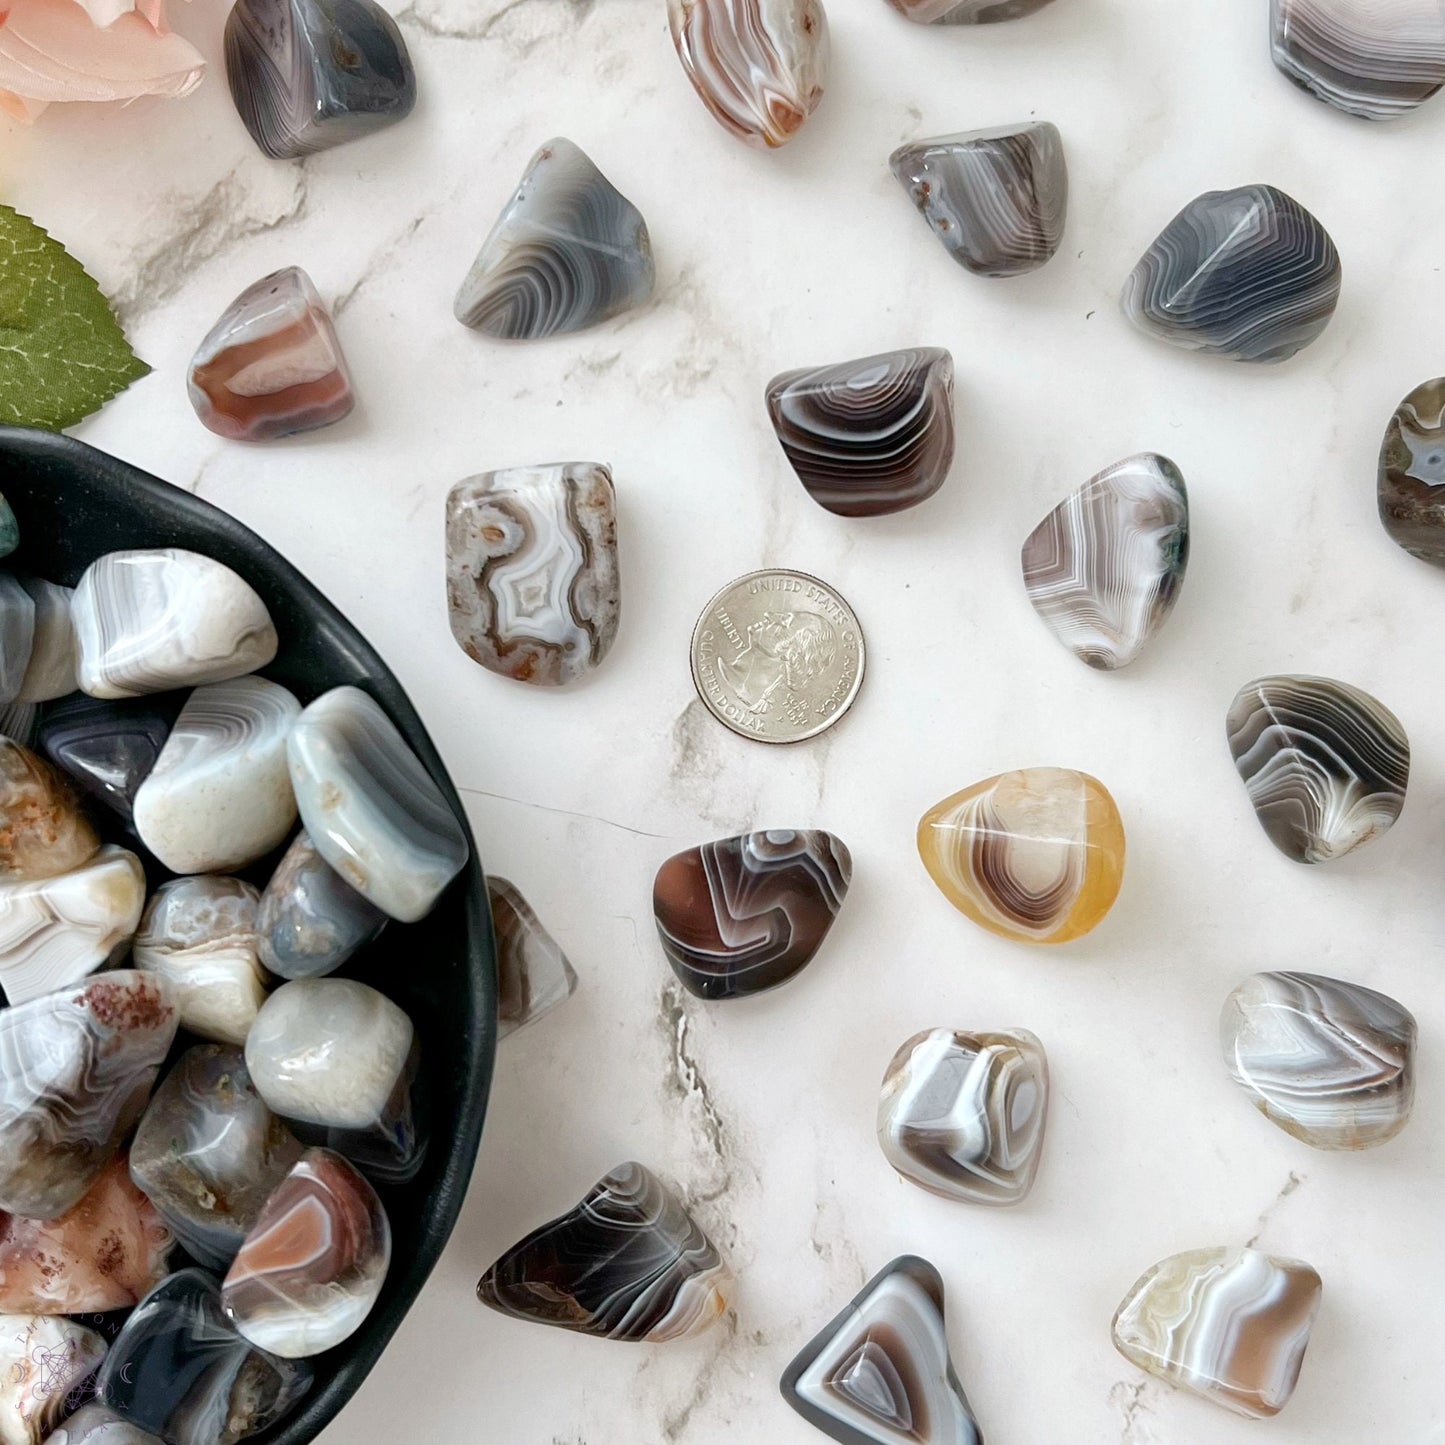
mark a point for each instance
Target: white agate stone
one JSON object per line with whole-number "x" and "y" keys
{"x": 51, "y": 670}
{"x": 56, "y": 930}
{"x": 328, "y": 1051}
{"x": 219, "y": 796}
{"x": 372, "y": 810}
{"x": 154, "y": 620}
{"x": 201, "y": 934}
{"x": 17, "y": 636}
{"x": 42, "y": 1359}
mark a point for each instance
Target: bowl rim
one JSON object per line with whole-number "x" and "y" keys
{"x": 62, "y": 455}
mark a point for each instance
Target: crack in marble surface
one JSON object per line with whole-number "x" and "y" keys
{"x": 1134, "y": 1400}
{"x": 1291, "y": 1183}
{"x": 377, "y": 264}
{"x": 200, "y": 229}
{"x": 684, "y": 1081}
{"x": 561, "y": 812}
{"x": 431, "y": 20}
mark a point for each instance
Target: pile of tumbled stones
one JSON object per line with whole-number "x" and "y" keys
{"x": 194, "y": 1107}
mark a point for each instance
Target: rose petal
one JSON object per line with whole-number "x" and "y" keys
{"x": 49, "y": 50}
{"x": 19, "y": 107}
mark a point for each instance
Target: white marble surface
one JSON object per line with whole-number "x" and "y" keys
{"x": 763, "y": 1111}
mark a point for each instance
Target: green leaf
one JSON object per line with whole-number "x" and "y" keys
{"x": 62, "y": 352}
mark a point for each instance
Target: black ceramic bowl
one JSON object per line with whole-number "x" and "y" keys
{"x": 74, "y": 503}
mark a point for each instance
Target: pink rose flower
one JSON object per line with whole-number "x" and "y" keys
{"x": 54, "y": 50}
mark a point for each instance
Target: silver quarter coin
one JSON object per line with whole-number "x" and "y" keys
{"x": 777, "y": 656}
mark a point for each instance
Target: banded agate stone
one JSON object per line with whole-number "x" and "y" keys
{"x": 997, "y": 199}
{"x": 567, "y": 252}
{"x": 102, "y": 1254}
{"x": 208, "y": 1152}
{"x": 313, "y": 1263}
{"x": 50, "y": 671}
{"x": 963, "y": 1114}
{"x": 271, "y": 366}
{"x": 965, "y": 12}
{"x": 747, "y": 913}
{"x": 200, "y": 933}
{"x": 759, "y": 66}
{"x": 76, "y": 1068}
{"x": 180, "y": 1370}
{"x": 17, "y": 636}
{"x": 1330, "y": 1062}
{"x": 1231, "y": 1325}
{"x": 219, "y": 796}
{"x": 371, "y": 809}
{"x": 149, "y": 621}
{"x": 533, "y": 974}
{"x": 55, "y": 931}
{"x": 339, "y": 1061}
{"x": 1104, "y": 568}
{"x": 1411, "y": 488}
{"x": 533, "y": 591}
{"x": 1035, "y": 855}
{"x": 43, "y": 830}
{"x": 868, "y": 437}
{"x": 310, "y": 74}
{"x": 311, "y": 919}
{"x": 108, "y": 748}
{"x": 1377, "y": 59}
{"x": 880, "y": 1373}
{"x": 1247, "y": 274}
{"x": 42, "y": 1359}
{"x": 1325, "y": 764}
{"x": 628, "y": 1263}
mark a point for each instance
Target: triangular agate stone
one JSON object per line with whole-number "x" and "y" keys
{"x": 880, "y": 1374}
{"x": 533, "y": 974}
{"x": 1104, "y": 568}
{"x": 568, "y": 251}
{"x": 310, "y": 74}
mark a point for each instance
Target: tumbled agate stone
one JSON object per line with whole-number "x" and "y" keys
{"x": 208, "y": 1152}
{"x": 1373, "y": 58}
{"x": 1247, "y": 274}
{"x": 43, "y": 831}
{"x": 76, "y": 1068}
{"x": 309, "y": 74}
{"x": 1325, "y": 764}
{"x": 371, "y": 809}
{"x": 149, "y": 621}
{"x": 219, "y": 796}
{"x": 1411, "y": 487}
{"x": 628, "y": 1263}
{"x": 868, "y": 437}
{"x": 180, "y": 1369}
{"x": 1036, "y": 855}
{"x": 533, "y": 974}
{"x": 50, "y": 672}
{"x": 314, "y": 1261}
{"x": 995, "y": 198}
{"x": 963, "y": 1114}
{"x": 54, "y": 931}
{"x": 108, "y": 748}
{"x": 93, "y": 1424}
{"x": 9, "y": 529}
{"x": 1104, "y": 568}
{"x": 1229, "y": 1324}
{"x": 272, "y": 364}
{"x": 1330, "y": 1062}
{"x": 532, "y": 581}
{"x": 103, "y": 1253}
{"x": 311, "y": 919}
{"x": 880, "y": 1373}
{"x": 759, "y": 66}
{"x": 17, "y": 636}
{"x": 42, "y": 1359}
{"x": 201, "y": 934}
{"x": 747, "y": 913}
{"x": 965, "y": 12}
{"x": 339, "y": 1060}
{"x": 568, "y": 251}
